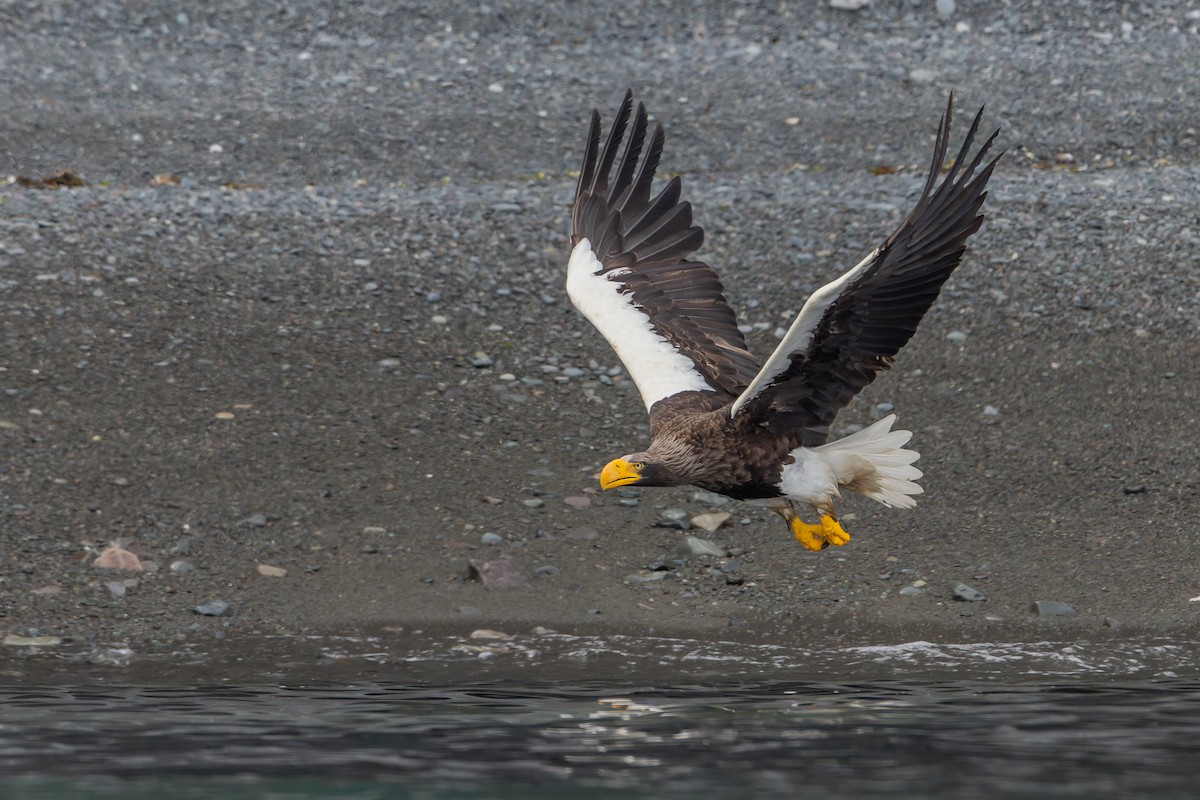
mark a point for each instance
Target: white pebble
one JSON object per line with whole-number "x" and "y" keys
{"x": 496, "y": 87}
{"x": 991, "y": 411}
{"x": 216, "y": 148}
{"x": 945, "y": 8}
{"x": 957, "y": 336}
{"x": 438, "y": 319}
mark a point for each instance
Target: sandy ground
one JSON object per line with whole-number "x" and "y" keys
{"x": 331, "y": 336}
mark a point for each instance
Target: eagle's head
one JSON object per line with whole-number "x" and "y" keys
{"x": 637, "y": 469}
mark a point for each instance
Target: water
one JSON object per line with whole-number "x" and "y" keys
{"x": 1056, "y": 720}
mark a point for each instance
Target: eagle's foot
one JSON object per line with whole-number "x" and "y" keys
{"x": 832, "y": 531}
{"x": 810, "y": 535}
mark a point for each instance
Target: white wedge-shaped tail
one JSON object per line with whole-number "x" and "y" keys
{"x": 873, "y": 462}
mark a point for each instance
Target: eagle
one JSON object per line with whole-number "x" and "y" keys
{"x": 720, "y": 420}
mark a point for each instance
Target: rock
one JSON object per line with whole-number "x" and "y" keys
{"x": 650, "y": 577}
{"x": 481, "y": 360}
{"x": 491, "y": 538}
{"x": 1136, "y": 488}
{"x": 583, "y": 534}
{"x": 547, "y": 571}
{"x": 578, "y": 501}
{"x": 254, "y": 521}
{"x": 180, "y": 567}
{"x": 707, "y": 498}
{"x": 486, "y": 633}
{"x": 735, "y": 580}
{"x": 911, "y": 591}
{"x": 957, "y": 336}
{"x": 673, "y": 518}
{"x": 922, "y": 75}
{"x": 711, "y": 521}
{"x": 946, "y": 8}
{"x": 849, "y": 5}
{"x": 533, "y": 502}
{"x": 271, "y": 572}
{"x": 212, "y": 608}
{"x": 116, "y": 588}
{"x": 116, "y": 558}
{"x": 695, "y": 546}
{"x": 1052, "y": 608}
{"x": 470, "y": 611}
{"x": 498, "y": 574}
{"x": 12, "y": 640}
{"x": 968, "y": 594}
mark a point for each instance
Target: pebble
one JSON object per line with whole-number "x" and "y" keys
{"x": 533, "y": 502}
{"x": 117, "y": 588}
{"x": 254, "y": 521}
{"x": 498, "y": 574}
{"x": 673, "y": 518}
{"x": 213, "y": 608}
{"x": 13, "y": 640}
{"x": 707, "y": 498}
{"x": 922, "y": 75}
{"x": 911, "y": 591}
{"x": 957, "y": 336}
{"x": 583, "y": 534}
{"x": 695, "y": 546}
{"x": 946, "y": 8}
{"x": 968, "y": 594}
{"x": 547, "y": 571}
{"x": 711, "y": 521}
{"x": 578, "y": 501}
{"x": 481, "y": 360}
{"x": 1052, "y": 608}
{"x": 180, "y": 567}
{"x": 491, "y": 538}
{"x": 487, "y": 633}
{"x": 271, "y": 572}
{"x": 117, "y": 558}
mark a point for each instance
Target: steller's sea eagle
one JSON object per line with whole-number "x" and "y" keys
{"x": 718, "y": 419}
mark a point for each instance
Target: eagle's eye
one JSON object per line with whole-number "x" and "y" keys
{"x": 639, "y": 466}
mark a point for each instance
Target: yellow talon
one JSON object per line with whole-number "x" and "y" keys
{"x": 812, "y": 536}
{"x": 832, "y": 531}
{"x": 807, "y": 534}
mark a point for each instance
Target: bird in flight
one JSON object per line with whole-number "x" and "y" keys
{"x": 719, "y": 419}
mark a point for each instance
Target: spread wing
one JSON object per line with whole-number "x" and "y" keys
{"x": 631, "y": 274}
{"x": 852, "y": 328}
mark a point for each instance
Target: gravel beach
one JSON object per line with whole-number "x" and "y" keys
{"x": 300, "y": 341}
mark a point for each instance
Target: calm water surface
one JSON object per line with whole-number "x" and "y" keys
{"x": 1029, "y": 720}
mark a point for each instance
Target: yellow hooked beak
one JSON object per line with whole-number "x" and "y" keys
{"x": 619, "y": 472}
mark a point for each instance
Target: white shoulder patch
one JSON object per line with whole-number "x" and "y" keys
{"x": 658, "y": 369}
{"x": 800, "y": 334}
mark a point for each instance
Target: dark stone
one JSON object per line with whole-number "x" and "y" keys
{"x": 498, "y": 574}
{"x": 213, "y": 608}
{"x": 968, "y": 594}
{"x": 1052, "y": 608}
